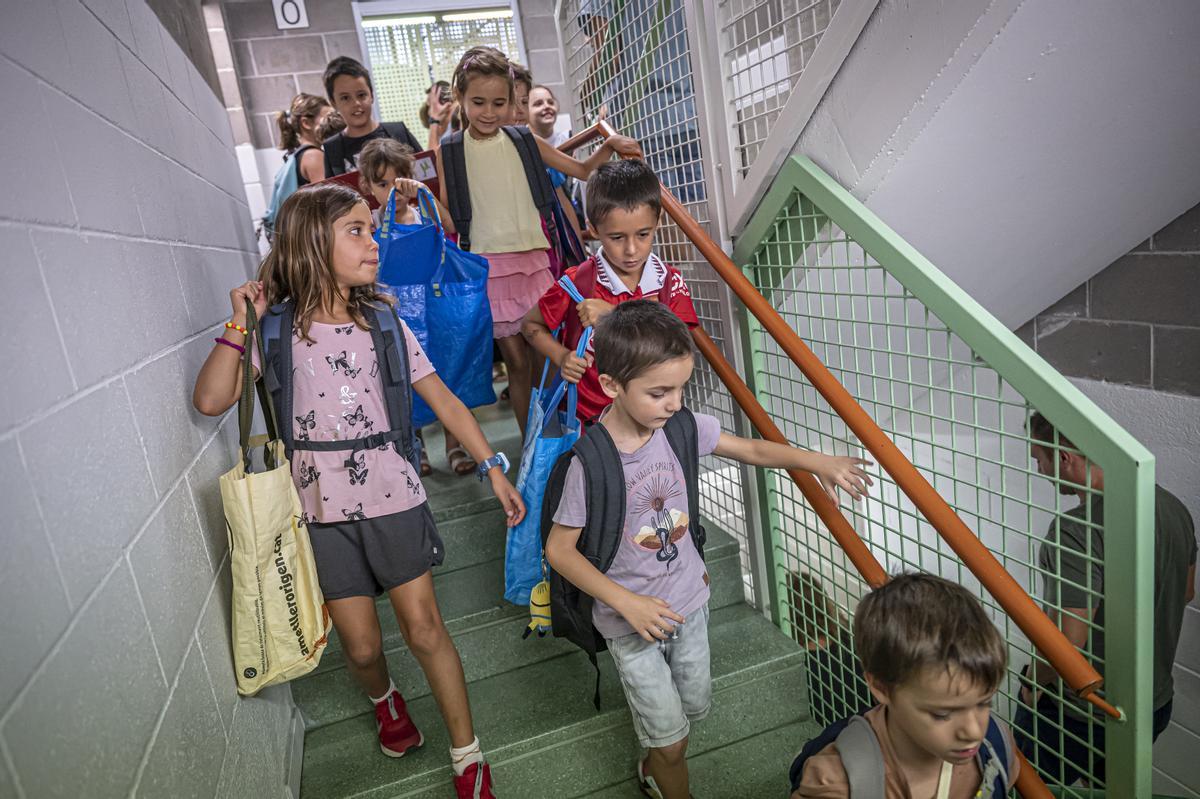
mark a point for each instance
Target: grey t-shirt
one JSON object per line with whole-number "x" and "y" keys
{"x": 656, "y": 556}
{"x": 1069, "y": 571}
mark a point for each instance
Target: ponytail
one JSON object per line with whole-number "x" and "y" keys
{"x": 290, "y": 120}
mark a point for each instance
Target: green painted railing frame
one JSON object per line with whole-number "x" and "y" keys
{"x": 1128, "y": 465}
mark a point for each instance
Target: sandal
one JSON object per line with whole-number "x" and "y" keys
{"x": 426, "y": 467}
{"x": 461, "y": 461}
{"x": 504, "y": 394}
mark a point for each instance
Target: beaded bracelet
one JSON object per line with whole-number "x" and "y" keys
{"x": 238, "y": 328}
{"x": 229, "y": 343}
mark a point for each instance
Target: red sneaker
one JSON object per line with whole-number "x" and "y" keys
{"x": 397, "y": 733}
{"x": 475, "y": 783}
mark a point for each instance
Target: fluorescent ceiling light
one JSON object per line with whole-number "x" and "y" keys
{"x": 467, "y": 16}
{"x": 385, "y": 22}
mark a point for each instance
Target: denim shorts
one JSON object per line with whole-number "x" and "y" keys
{"x": 667, "y": 683}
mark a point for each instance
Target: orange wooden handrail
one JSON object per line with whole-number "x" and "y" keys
{"x": 1074, "y": 668}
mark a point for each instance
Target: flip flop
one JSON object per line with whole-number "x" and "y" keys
{"x": 461, "y": 461}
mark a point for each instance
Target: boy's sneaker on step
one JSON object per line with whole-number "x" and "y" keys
{"x": 397, "y": 733}
{"x": 475, "y": 782}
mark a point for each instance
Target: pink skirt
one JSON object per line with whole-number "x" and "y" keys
{"x": 516, "y": 281}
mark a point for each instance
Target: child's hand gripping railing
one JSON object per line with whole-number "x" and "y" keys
{"x": 1074, "y": 668}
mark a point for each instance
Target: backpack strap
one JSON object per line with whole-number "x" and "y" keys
{"x": 995, "y": 758}
{"x": 540, "y": 187}
{"x": 400, "y": 132}
{"x": 454, "y": 162}
{"x": 388, "y": 338}
{"x": 277, "y": 365}
{"x": 335, "y": 161}
{"x": 683, "y": 437}
{"x": 862, "y": 758}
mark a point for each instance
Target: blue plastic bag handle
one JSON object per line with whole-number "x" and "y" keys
{"x": 428, "y": 214}
{"x": 571, "y": 389}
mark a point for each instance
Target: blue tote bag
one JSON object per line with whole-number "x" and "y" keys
{"x": 441, "y": 295}
{"x": 548, "y": 434}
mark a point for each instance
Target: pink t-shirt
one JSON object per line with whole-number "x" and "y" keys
{"x": 337, "y": 395}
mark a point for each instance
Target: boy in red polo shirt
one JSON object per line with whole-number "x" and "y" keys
{"x": 623, "y": 209}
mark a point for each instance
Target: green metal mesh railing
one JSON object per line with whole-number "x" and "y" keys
{"x": 953, "y": 390}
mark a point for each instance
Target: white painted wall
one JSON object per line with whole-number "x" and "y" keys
{"x": 1020, "y": 146}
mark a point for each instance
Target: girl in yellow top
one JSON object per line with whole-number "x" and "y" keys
{"x": 505, "y": 226}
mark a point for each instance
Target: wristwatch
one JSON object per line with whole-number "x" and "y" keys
{"x": 499, "y": 459}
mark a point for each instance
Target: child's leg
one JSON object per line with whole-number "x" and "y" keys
{"x": 517, "y": 357}
{"x": 429, "y": 640}
{"x": 357, "y": 626}
{"x": 668, "y": 766}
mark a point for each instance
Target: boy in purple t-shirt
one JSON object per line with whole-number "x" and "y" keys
{"x": 651, "y": 605}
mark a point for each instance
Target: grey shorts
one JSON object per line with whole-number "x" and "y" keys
{"x": 667, "y": 683}
{"x": 371, "y": 556}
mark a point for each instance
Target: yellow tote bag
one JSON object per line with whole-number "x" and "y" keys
{"x": 280, "y": 622}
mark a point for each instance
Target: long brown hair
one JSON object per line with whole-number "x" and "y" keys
{"x": 300, "y": 264}
{"x": 304, "y": 106}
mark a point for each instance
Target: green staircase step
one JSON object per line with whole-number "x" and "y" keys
{"x": 488, "y": 642}
{"x": 753, "y": 766}
{"x": 520, "y": 714}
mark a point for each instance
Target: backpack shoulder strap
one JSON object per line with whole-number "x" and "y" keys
{"x": 540, "y": 186}
{"x": 335, "y": 161}
{"x": 605, "y": 486}
{"x": 862, "y": 758}
{"x": 277, "y": 365}
{"x": 454, "y": 162}
{"x": 400, "y": 132}
{"x": 812, "y": 747}
{"x": 995, "y": 759}
{"x": 683, "y": 437}
{"x": 397, "y": 386}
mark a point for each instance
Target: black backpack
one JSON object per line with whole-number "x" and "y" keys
{"x": 858, "y": 748}
{"x": 454, "y": 162}
{"x": 392, "y": 355}
{"x": 570, "y": 608}
{"x": 335, "y": 145}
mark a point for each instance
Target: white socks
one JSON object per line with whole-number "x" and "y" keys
{"x": 463, "y": 756}
{"x": 386, "y": 694}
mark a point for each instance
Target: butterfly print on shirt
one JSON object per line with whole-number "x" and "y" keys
{"x": 306, "y": 423}
{"x": 341, "y": 363}
{"x": 358, "y": 472}
{"x": 308, "y": 474}
{"x": 357, "y": 417}
{"x": 354, "y": 515}
{"x": 374, "y": 369}
{"x": 343, "y": 330}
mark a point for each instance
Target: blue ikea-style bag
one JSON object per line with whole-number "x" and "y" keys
{"x": 549, "y": 432}
{"x": 441, "y": 294}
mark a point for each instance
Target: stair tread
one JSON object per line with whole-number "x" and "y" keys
{"x": 560, "y": 689}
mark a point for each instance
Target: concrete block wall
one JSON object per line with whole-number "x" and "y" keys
{"x": 272, "y": 66}
{"x": 1135, "y": 323}
{"x": 539, "y": 30}
{"x": 124, "y": 226}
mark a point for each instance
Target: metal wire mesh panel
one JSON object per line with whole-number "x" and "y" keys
{"x": 630, "y": 60}
{"x": 766, "y": 44}
{"x": 966, "y": 428}
{"x": 408, "y": 53}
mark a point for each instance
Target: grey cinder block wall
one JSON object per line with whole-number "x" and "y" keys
{"x": 123, "y": 225}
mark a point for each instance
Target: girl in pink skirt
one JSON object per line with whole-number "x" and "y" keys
{"x": 498, "y": 215}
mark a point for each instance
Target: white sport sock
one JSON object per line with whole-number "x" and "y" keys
{"x": 386, "y": 694}
{"x": 463, "y": 756}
